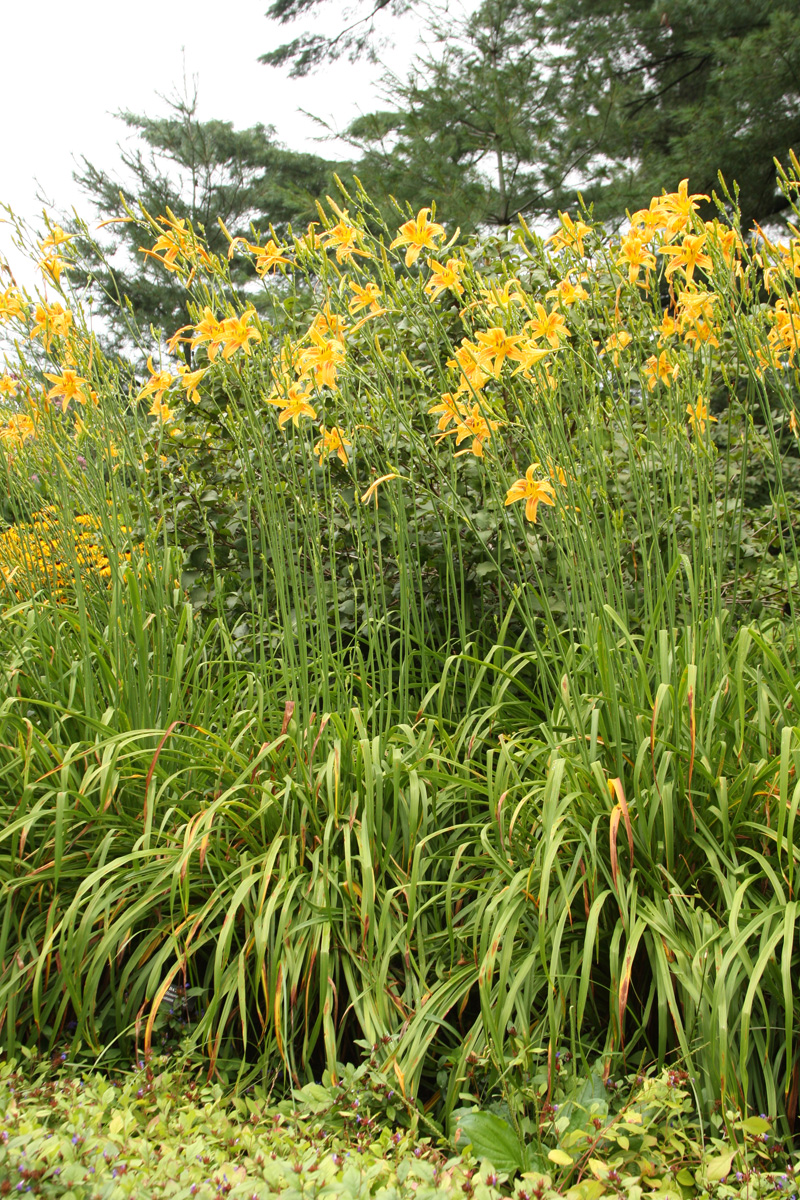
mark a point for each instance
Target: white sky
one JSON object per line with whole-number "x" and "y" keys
{"x": 68, "y": 65}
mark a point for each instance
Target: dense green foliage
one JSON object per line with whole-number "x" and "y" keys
{"x": 432, "y": 704}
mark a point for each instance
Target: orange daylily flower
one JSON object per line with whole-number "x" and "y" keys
{"x": 331, "y": 442}
{"x": 12, "y": 304}
{"x": 51, "y": 320}
{"x": 476, "y": 426}
{"x": 468, "y": 361}
{"x": 448, "y": 410}
{"x": 679, "y": 206}
{"x": 189, "y": 381}
{"x": 236, "y": 333}
{"x": 533, "y": 491}
{"x": 157, "y": 384}
{"x": 634, "y": 256}
{"x": 345, "y": 238}
{"x": 367, "y": 296}
{"x": 571, "y": 234}
{"x": 698, "y": 415}
{"x": 321, "y": 360}
{"x": 567, "y": 292}
{"x": 496, "y": 346}
{"x": 660, "y": 369}
{"x": 296, "y": 406}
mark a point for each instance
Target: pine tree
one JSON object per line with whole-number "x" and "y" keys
{"x": 204, "y": 171}
{"x": 475, "y": 125}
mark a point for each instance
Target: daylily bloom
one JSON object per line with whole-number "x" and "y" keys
{"x": 297, "y": 406}
{"x": 52, "y": 267}
{"x": 634, "y": 256}
{"x": 556, "y": 473}
{"x": 448, "y": 410}
{"x": 698, "y": 415}
{"x": 668, "y": 327}
{"x": 57, "y": 237}
{"x": 688, "y": 255}
{"x": 618, "y": 341}
{"x": 468, "y": 362}
{"x": 679, "y": 206}
{"x": 311, "y": 240}
{"x": 68, "y": 385}
{"x": 177, "y": 239}
{"x": 11, "y": 304}
{"x": 533, "y": 491}
{"x": 496, "y": 347}
{"x": 17, "y": 429}
{"x": 329, "y": 324}
{"x": 189, "y": 381}
{"x": 475, "y": 426}
{"x": 367, "y": 296}
{"x": 269, "y": 257}
{"x": 332, "y": 441}
{"x": 236, "y": 333}
{"x": 571, "y": 234}
{"x": 660, "y": 369}
{"x": 51, "y": 320}
{"x": 445, "y": 277}
{"x": 418, "y": 235}
{"x": 548, "y": 325}
{"x": 345, "y": 238}
{"x": 648, "y": 221}
{"x": 159, "y": 408}
{"x": 567, "y": 292}
{"x": 510, "y": 293}
{"x": 157, "y": 384}
{"x": 208, "y": 329}
{"x": 322, "y": 360}
{"x": 8, "y": 386}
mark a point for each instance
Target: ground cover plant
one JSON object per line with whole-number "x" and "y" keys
{"x": 403, "y": 670}
{"x": 158, "y": 1131}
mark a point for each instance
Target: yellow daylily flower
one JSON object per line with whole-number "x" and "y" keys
{"x": 418, "y": 235}
{"x": 445, "y": 277}
{"x": 367, "y": 296}
{"x": 68, "y": 385}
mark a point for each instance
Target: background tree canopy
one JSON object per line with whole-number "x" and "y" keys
{"x": 524, "y": 103}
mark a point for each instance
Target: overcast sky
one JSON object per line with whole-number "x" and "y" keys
{"x": 68, "y": 67}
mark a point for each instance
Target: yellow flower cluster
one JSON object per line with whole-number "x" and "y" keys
{"x": 42, "y": 554}
{"x": 16, "y": 430}
{"x": 507, "y": 333}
